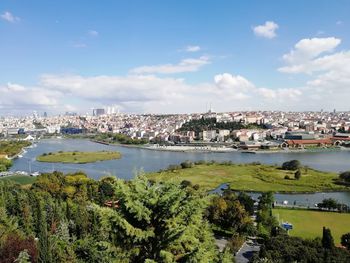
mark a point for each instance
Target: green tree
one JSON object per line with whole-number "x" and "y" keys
{"x": 327, "y": 239}
{"x": 291, "y": 165}
{"x": 159, "y": 222}
{"x": 43, "y": 236}
{"x": 247, "y": 202}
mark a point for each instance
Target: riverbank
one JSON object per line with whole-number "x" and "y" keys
{"x": 78, "y": 157}
{"x": 252, "y": 178}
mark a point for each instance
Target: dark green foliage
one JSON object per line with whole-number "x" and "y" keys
{"x": 297, "y": 174}
{"x": 345, "y": 240}
{"x": 327, "y": 239}
{"x": 291, "y": 165}
{"x": 187, "y": 164}
{"x": 328, "y": 203}
{"x": 247, "y": 202}
{"x": 345, "y": 176}
{"x": 211, "y": 124}
{"x": 118, "y": 138}
{"x": 159, "y": 222}
{"x": 283, "y": 248}
{"x": 266, "y": 221}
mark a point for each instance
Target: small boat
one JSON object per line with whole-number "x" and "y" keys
{"x": 35, "y": 174}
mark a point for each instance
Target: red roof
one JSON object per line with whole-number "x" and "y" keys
{"x": 320, "y": 141}
{"x": 340, "y": 138}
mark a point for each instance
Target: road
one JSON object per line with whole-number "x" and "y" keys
{"x": 246, "y": 252}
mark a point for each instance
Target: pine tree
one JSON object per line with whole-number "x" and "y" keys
{"x": 43, "y": 238}
{"x": 158, "y": 223}
{"x": 327, "y": 239}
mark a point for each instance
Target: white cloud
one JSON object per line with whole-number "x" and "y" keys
{"x": 9, "y": 17}
{"x": 232, "y": 86}
{"x": 116, "y": 88}
{"x": 93, "y": 33}
{"x": 185, "y": 65}
{"x": 329, "y": 71}
{"x": 146, "y": 93}
{"x": 267, "y": 30}
{"x": 14, "y": 96}
{"x": 192, "y": 48}
{"x": 306, "y": 50}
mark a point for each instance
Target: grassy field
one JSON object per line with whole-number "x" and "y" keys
{"x": 20, "y": 179}
{"x": 309, "y": 224}
{"x": 78, "y": 157}
{"x": 250, "y": 177}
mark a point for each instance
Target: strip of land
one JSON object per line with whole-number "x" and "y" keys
{"x": 252, "y": 177}
{"x": 309, "y": 224}
{"x": 78, "y": 157}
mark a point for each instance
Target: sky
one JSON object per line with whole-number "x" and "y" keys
{"x": 174, "y": 56}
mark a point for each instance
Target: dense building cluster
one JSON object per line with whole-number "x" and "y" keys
{"x": 256, "y": 128}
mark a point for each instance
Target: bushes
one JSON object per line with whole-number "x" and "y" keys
{"x": 187, "y": 164}
{"x": 5, "y": 164}
{"x": 291, "y": 165}
{"x": 345, "y": 176}
{"x": 297, "y": 175}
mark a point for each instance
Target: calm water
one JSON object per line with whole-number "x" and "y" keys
{"x": 134, "y": 159}
{"x": 305, "y": 200}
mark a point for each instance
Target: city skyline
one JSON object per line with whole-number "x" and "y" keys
{"x": 166, "y": 57}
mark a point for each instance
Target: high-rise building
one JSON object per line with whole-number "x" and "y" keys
{"x": 98, "y": 112}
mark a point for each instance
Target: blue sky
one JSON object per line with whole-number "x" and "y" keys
{"x": 76, "y": 55}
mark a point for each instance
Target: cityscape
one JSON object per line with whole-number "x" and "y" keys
{"x": 174, "y": 131}
{"x": 272, "y": 129}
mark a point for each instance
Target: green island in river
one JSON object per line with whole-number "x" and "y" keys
{"x": 78, "y": 157}
{"x": 251, "y": 177}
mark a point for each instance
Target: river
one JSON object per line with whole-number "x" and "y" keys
{"x": 136, "y": 159}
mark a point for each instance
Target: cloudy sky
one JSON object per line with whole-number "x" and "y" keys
{"x": 174, "y": 56}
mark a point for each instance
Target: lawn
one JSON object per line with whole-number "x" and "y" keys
{"x": 252, "y": 177}
{"x": 20, "y": 179}
{"x": 78, "y": 157}
{"x": 309, "y": 224}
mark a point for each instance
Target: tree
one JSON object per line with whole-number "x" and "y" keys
{"x": 157, "y": 222}
{"x": 43, "y": 236}
{"x": 247, "y": 202}
{"x": 327, "y": 239}
{"x": 345, "y": 240}
{"x": 297, "y": 174}
{"x": 284, "y": 248}
{"x": 328, "y": 203}
{"x": 227, "y": 213}
{"x": 345, "y": 176}
{"x": 291, "y": 165}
